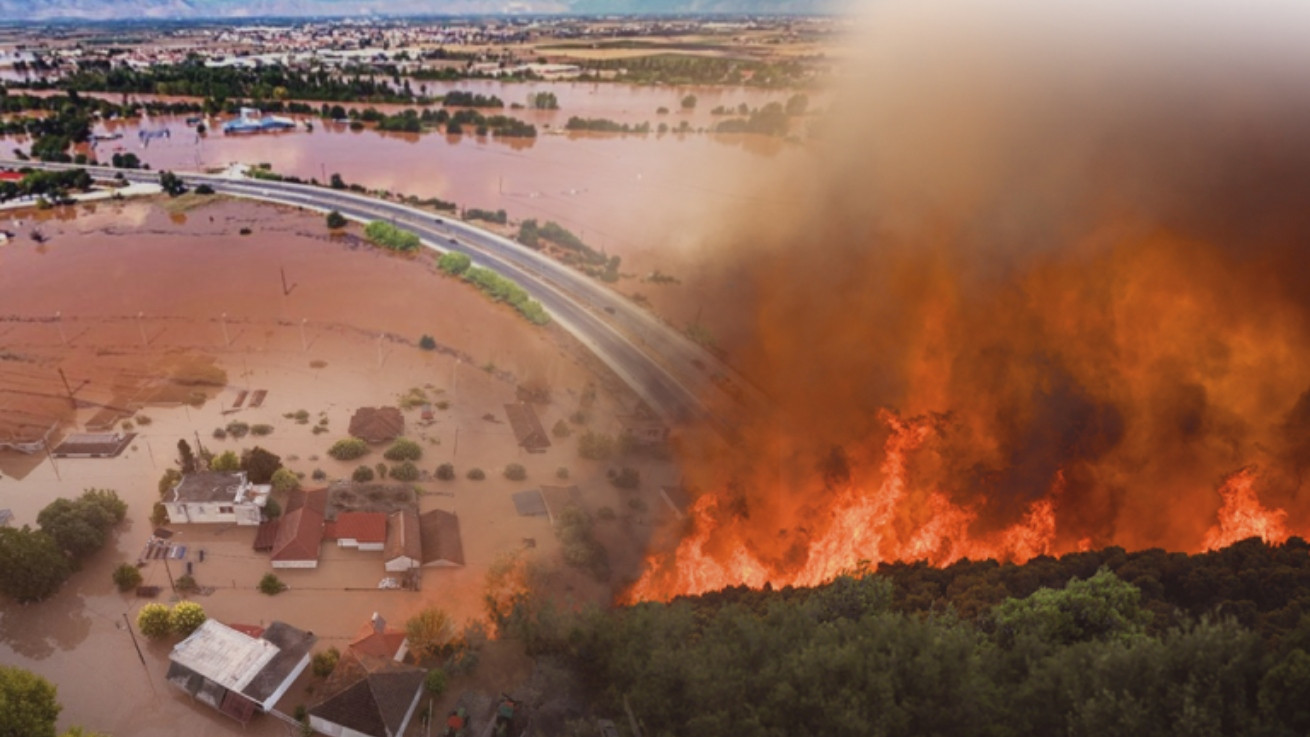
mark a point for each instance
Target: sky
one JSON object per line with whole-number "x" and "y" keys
{"x": 191, "y": 9}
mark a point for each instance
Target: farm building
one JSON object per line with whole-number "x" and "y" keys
{"x": 377, "y": 424}
{"x": 367, "y": 696}
{"x": 215, "y": 497}
{"x": 300, "y": 530}
{"x": 404, "y": 546}
{"x": 362, "y": 530}
{"x": 236, "y": 672}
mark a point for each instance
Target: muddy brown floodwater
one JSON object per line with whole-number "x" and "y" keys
{"x": 182, "y": 271}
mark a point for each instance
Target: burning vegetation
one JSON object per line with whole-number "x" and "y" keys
{"x": 1040, "y": 290}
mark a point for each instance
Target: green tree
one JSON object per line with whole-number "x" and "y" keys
{"x": 1099, "y": 607}
{"x": 336, "y": 220}
{"x": 169, "y": 480}
{"x": 270, "y": 584}
{"x": 446, "y": 471}
{"x": 436, "y": 682}
{"x": 186, "y": 458}
{"x": 688, "y": 102}
{"x": 1283, "y": 691}
{"x": 325, "y": 661}
{"x": 428, "y": 632}
{"x": 515, "y": 472}
{"x": 285, "y": 480}
{"x": 186, "y": 617}
{"x": 454, "y": 263}
{"x": 403, "y": 449}
{"x": 406, "y": 471}
{"x": 153, "y": 621}
{"x": 32, "y": 566}
{"x": 362, "y": 475}
{"x": 348, "y": 449}
{"x": 28, "y": 707}
{"x": 260, "y": 464}
{"x": 171, "y": 183}
{"x": 226, "y": 461}
{"x": 127, "y": 577}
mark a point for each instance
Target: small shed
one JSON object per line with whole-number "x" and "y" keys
{"x": 527, "y": 427}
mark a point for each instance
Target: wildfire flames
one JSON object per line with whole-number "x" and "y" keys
{"x": 1029, "y": 297}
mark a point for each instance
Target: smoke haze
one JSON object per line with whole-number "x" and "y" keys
{"x": 1042, "y": 286}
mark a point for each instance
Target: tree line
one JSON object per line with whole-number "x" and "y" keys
{"x": 1097, "y": 643}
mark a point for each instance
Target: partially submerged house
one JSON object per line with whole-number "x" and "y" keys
{"x": 215, "y": 497}
{"x": 362, "y": 530}
{"x": 367, "y": 696}
{"x": 527, "y": 427}
{"x": 300, "y": 530}
{"x": 377, "y": 424}
{"x": 379, "y": 640}
{"x": 441, "y": 543}
{"x": 237, "y": 672}
{"x": 404, "y": 547}
{"x": 93, "y": 445}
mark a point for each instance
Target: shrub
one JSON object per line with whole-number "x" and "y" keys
{"x": 127, "y": 577}
{"x": 237, "y": 430}
{"x": 628, "y": 478}
{"x": 158, "y": 514}
{"x": 323, "y": 663}
{"x": 454, "y": 264}
{"x": 406, "y": 471}
{"x": 318, "y": 474}
{"x": 562, "y": 473}
{"x": 261, "y": 430}
{"x": 595, "y": 446}
{"x": 153, "y": 621}
{"x": 186, "y": 584}
{"x": 390, "y": 237}
{"x": 427, "y": 343}
{"x": 186, "y": 617}
{"x": 272, "y": 585}
{"x": 561, "y": 429}
{"x": 203, "y": 188}
{"x": 272, "y": 510}
{"x": 446, "y": 472}
{"x": 336, "y": 220}
{"x": 403, "y": 450}
{"x": 284, "y": 480}
{"x": 436, "y": 682}
{"x": 516, "y": 472}
{"x": 220, "y": 433}
{"x": 362, "y": 474}
{"x": 227, "y": 461}
{"x": 301, "y": 417}
{"x": 348, "y": 449}
{"x": 475, "y": 474}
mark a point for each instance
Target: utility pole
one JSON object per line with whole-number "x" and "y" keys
{"x": 304, "y": 344}
{"x": 141, "y": 328}
{"x": 380, "y": 337}
{"x": 59, "y": 322}
{"x": 67, "y": 388}
{"x": 223, "y": 319}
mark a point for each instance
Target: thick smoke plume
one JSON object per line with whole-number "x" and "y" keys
{"x": 1044, "y": 285}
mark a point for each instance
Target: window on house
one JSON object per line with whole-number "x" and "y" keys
{"x": 225, "y": 510}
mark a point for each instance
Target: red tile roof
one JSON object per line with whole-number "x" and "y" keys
{"x": 377, "y": 424}
{"x": 300, "y": 531}
{"x": 11, "y": 176}
{"x": 366, "y": 527}
{"x": 383, "y": 644}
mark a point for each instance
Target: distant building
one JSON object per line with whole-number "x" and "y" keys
{"x": 441, "y": 542}
{"x": 404, "y": 546}
{"x": 216, "y": 497}
{"x": 527, "y": 427}
{"x": 643, "y": 428}
{"x": 377, "y": 424}
{"x": 5, "y": 516}
{"x": 237, "y": 672}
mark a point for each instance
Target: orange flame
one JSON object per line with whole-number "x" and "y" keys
{"x": 861, "y": 526}
{"x": 1242, "y": 515}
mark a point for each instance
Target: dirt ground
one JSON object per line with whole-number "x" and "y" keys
{"x": 343, "y": 335}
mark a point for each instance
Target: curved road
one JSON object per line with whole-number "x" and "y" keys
{"x": 677, "y": 378}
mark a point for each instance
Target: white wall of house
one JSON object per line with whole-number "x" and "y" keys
{"x": 212, "y": 513}
{"x": 350, "y": 542}
{"x": 295, "y": 564}
{"x": 401, "y": 563}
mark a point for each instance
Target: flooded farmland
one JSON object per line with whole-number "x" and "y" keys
{"x": 138, "y": 285}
